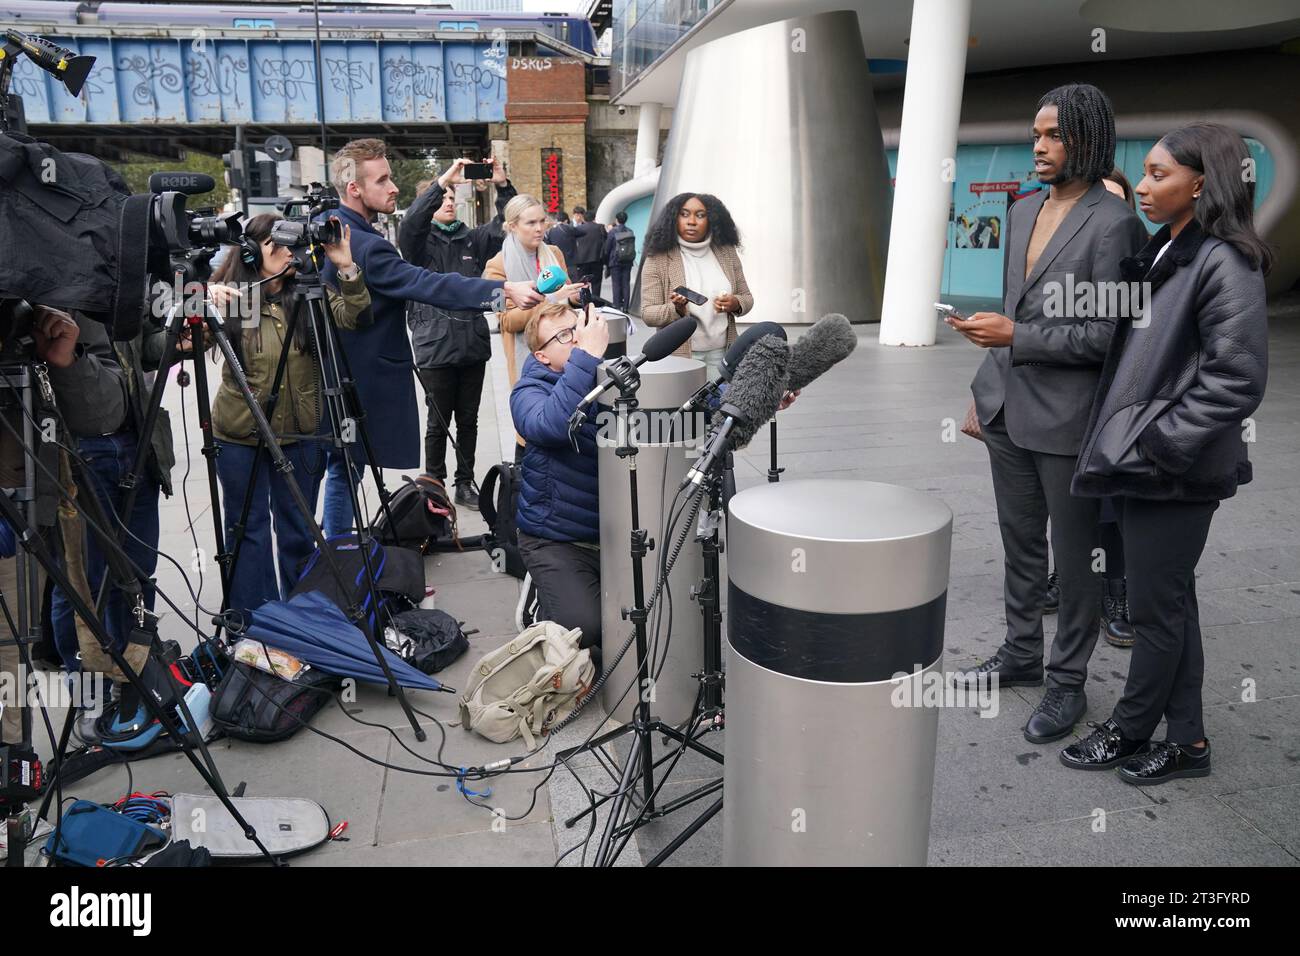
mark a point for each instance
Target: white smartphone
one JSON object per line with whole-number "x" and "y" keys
{"x": 949, "y": 310}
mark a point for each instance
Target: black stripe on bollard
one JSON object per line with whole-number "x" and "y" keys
{"x": 837, "y": 648}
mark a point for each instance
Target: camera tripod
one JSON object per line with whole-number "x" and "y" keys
{"x": 640, "y": 762}
{"x": 21, "y": 382}
{"x": 200, "y": 318}
{"x": 344, "y": 413}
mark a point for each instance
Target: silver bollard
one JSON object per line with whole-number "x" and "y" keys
{"x": 662, "y": 461}
{"x": 835, "y": 587}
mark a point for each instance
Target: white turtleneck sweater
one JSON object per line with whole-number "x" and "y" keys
{"x": 704, "y": 275}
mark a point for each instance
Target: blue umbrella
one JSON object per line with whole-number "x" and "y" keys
{"x": 312, "y": 628}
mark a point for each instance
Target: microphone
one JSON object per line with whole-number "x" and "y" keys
{"x": 191, "y": 184}
{"x": 830, "y": 340}
{"x": 730, "y": 362}
{"x": 660, "y": 345}
{"x": 551, "y": 279}
{"x": 757, "y": 388}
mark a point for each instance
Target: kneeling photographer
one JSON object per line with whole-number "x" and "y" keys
{"x": 89, "y": 394}
{"x": 258, "y": 277}
{"x": 559, "y": 505}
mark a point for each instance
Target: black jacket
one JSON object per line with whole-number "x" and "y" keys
{"x": 1178, "y": 382}
{"x": 611, "y": 248}
{"x": 589, "y": 244}
{"x": 563, "y": 236}
{"x": 1044, "y": 382}
{"x": 444, "y": 337}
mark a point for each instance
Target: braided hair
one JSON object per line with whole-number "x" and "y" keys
{"x": 662, "y": 235}
{"x": 1087, "y": 123}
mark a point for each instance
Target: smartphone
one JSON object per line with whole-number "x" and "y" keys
{"x": 478, "y": 170}
{"x": 949, "y": 311}
{"x": 690, "y": 295}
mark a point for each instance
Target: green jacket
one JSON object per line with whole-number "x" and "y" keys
{"x": 298, "y": 411}
{"x": 138, "y": 356}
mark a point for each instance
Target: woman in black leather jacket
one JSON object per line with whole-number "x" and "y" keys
{"x": 1166, "y": 436}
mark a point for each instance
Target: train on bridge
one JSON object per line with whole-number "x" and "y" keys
{"x": 45, "y": 16}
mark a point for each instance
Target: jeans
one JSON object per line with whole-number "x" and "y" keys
{"x": 255, "y": 576}
{"x": 110, "y": 458}
{"x": 339, "y": 517}
{"x": 712, "y": 359}
{"x": 448, "y": 390}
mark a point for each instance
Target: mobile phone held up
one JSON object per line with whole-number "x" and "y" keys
{"x": 478, "y": 171}
{"x": 949, "y": 311}
{"x": 690, "y": 295}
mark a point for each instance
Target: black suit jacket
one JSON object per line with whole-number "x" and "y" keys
{"x": 1045, "y": 381}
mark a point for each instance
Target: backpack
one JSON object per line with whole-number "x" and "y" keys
{"x": 252, "y": 705}
{"x": 423, "y": 515}
{"x": 527, "y": 686}
{"x": 625, "y": 249}
{"x": 399, "y": 575}
{"x": 498, "y": 501}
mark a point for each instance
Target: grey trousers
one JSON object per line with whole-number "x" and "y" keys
{"x": 1030, "y": 487}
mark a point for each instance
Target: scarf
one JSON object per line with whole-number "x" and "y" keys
{"x": 704, "y": 275}
{"x": 523, "y": 266}
{"x": 452, "y": 226}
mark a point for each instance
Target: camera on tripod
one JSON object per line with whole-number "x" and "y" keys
{"x": 304, "y": 229}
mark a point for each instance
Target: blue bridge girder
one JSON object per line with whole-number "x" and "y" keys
{"x": 212, "y": 77}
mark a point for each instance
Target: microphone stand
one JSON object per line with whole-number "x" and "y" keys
{"x": 773, "y": 472}
{"x": 640, "y": 760}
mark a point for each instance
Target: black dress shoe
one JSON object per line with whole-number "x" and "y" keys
{"x": 1102, "y": 749}
{"x": 1164, "y": 762}
{"x": 466, "y": 496}
{"x": 983, "y": 675}
{"x": 1056, "y": 715}
{"x": 1114, "y": 617}
{"x": 1053, "y": 600}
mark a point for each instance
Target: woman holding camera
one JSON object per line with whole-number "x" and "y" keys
{"x": 255, "y": 283}
{"x": 694, "y": 243}
{"x": 1166, "y": 438}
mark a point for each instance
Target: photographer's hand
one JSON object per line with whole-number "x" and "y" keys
{"x": 340, "y": 253}
{"x": 452, "y": 175}
{"x": 55, "y": 334}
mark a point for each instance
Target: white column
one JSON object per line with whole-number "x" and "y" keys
{"x": 927, "y": 162}
{"x": 647, "y": 139}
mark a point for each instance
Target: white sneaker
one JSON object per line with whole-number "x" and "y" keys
{"x": 526, "y": 608}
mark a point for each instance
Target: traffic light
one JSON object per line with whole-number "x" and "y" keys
{"x": 234, "y": 163}
{"x": 253, "y": 177}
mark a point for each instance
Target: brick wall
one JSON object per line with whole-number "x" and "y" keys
{"x": 547, "y": 109}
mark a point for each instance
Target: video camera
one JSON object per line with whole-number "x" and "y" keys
{"x": 178, "y": 228}
{"x": 300, "y": 231}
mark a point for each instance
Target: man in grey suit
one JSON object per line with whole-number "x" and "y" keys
{"x": 1034, "y": 391}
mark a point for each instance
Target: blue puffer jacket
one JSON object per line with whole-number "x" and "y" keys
{"x": 559, "y": 493}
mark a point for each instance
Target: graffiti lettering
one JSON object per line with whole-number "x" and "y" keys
{"x": 406, "y": 80}
{"x": 205, "y": 76}
{"x": 485, "y": 79}
{"x": 348, "y": 77}
{"x": 167, "y": 76}
{"x": 292, "y": 79}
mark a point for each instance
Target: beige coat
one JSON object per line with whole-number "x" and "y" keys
{"x": 513, "y": 319}
{"x": 663, "y": 272}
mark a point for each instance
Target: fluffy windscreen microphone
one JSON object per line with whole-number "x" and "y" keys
{"x": 755, "y": 392}
{"x": 830, "y": 340}
{"x": 756, "y": 389}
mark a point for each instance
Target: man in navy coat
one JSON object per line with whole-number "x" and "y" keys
{"x": 380, "y": 354}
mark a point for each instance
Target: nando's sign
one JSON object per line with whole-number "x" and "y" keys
{"x": 553, "y": 179}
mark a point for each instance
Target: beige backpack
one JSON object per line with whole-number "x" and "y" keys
{"x": 527, "y": 686}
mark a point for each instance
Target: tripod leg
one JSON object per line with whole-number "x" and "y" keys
{"x": 33, "y": 545}
{"x": 210, "y": 452}
{"x": 691, "y": 829}
{"x": 325, "y": 339}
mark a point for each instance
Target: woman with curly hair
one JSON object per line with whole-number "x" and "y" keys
{"x": 694, "y": 243}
